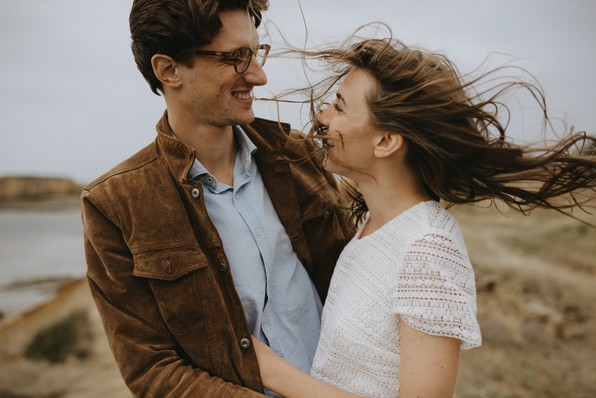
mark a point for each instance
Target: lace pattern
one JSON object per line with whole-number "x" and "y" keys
{"x": 415, "y": 268}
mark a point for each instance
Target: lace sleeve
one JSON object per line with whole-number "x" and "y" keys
{"x": 435, "y": 291}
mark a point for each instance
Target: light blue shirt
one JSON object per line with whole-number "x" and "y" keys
{"x": 280, "y": 301}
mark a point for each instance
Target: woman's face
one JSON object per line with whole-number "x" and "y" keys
{"x": 349, "y": 142}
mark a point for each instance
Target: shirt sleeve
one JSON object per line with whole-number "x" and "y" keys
{"x": 435, "y": 292}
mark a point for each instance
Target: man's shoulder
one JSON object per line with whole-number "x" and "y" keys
{"x": 270, "y": 125}
{"x": 126, "y": 169}
{"x": 274, "y": 136}
{"x": 283, "y": 129}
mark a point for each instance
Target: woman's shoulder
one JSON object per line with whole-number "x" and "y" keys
{"x": 433, "y": 218}
{"x": 423, "y": 218}
{"x": 430, "y": 225}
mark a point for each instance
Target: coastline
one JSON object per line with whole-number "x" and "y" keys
{"x": 39, "y": 228}
{"x": 20, "y": 297}
{"x": 86, "y": 367}
{"x": 53, "y": 303}
{"x": 49, "y": 203}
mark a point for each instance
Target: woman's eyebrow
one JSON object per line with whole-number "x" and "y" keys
{"x": 341, "y": 98}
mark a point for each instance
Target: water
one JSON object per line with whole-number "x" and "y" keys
{"x": 38, "y": 250}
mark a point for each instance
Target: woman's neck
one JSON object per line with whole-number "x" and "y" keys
{"x": 388, "y": 198}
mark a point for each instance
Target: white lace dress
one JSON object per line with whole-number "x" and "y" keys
{"x": 414, "y": 268}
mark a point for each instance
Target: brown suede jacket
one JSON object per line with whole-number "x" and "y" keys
{"x": 159, "y": 275}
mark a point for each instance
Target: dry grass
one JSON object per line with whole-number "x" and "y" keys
{"x": 65, "y": 338}
{"x": 536, "y": 305}
{"x": 91, "y": 375}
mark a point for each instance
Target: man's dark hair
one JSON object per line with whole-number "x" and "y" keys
{"x": 177, "y": 27}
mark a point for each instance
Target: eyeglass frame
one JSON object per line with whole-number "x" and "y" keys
{"x": 233, "y": 58}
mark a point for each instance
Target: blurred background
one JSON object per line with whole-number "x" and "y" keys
{"x": 72, "y": 105}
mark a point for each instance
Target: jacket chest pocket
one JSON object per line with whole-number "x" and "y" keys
{"x": 177, "y": 278}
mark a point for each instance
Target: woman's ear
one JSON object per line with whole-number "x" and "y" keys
{"x": 387, "y": 144}
{"x": 166, "y": 70}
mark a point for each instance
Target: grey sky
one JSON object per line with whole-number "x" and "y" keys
{"x": 73, "y": 104}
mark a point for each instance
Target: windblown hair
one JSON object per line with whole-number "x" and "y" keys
{"x": 454, "y": 139}
{"x": 177, "y": 27}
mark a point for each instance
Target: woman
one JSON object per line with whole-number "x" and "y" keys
{"x": 407, "y": 133}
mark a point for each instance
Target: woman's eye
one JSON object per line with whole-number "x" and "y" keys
{"x": 337, "y": 108}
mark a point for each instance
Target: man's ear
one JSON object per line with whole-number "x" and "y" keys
{"x": 387, "y": 144}
{"x": 166, "y": 70}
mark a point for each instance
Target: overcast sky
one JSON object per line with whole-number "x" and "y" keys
{"x": 72, "y": 103}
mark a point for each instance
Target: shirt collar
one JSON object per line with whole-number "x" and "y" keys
{"x": 246, "y": 149}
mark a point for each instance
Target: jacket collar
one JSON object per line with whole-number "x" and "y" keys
{"x": 178, "y": 156}
{"x": 269, "y": 137}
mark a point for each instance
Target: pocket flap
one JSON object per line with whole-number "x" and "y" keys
{"x": 168, "y": 264}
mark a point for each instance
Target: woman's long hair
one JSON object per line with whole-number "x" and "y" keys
{"x": 455, "y": 140}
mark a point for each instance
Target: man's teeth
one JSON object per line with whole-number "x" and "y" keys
{"x": 243, "y": 96}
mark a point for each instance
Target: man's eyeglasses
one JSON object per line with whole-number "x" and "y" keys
{"x": 241, "y": 57}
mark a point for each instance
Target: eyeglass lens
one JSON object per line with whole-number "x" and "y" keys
{"x": 245, "y": 56}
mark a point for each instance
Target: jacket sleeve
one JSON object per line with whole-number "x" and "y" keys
{"x": 147, "y": 354}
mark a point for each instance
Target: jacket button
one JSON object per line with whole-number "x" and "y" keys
{"x": 326, "y": 215}
{"x": 222, "y": 267}
{"x": 245, "y": 343}
{"x": 196, "y": 193}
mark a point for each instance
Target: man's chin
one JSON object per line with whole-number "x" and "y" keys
{"x": 245, "y": 118}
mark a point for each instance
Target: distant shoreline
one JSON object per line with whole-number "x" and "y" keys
{"x": 50, "y": 223}
{"x": 15, "y": 188}
{"x": 49, "y": 203}
{"x": 32, "y": 293}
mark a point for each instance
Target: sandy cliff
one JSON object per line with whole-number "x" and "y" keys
{"x": 13, "y": 188}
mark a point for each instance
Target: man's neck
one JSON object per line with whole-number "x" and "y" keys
{"x": 215, "y": 146}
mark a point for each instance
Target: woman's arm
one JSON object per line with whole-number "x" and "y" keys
{"x": 281, "y": 377}
{"x": 428, "y": 369}
{"x": 428, "y": 364}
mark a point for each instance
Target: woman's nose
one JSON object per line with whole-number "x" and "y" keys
{"x": 323, "y": 117}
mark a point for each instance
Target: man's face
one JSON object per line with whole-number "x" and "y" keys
{"x": 214, "y": 93}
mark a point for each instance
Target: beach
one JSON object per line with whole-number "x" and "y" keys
{"x": 41, "y": 246}
{"x": 536, "y": 307}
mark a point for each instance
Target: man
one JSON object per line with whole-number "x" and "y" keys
{"x": 222, "y": 228}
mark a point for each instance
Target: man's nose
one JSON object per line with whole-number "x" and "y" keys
{"x": 255, "y": 74}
